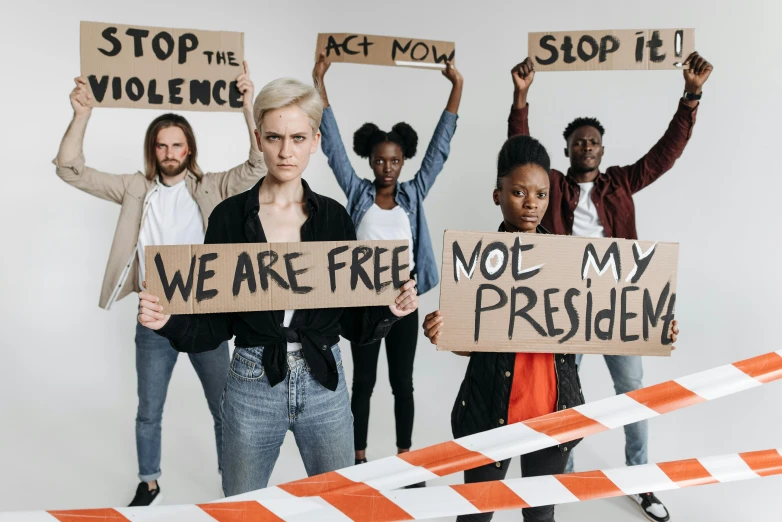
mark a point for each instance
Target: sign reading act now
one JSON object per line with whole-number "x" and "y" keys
{"x": 247, "y": 277}
{"x": 504, "y": 292}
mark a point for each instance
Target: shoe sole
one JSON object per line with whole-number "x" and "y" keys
{"x": 158, "y": 499}
{"x": 646, "y": 515}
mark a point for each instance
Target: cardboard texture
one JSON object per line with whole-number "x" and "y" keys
{"x": 648, "y": 49}
{"x": 203, "y": 279}
{"x": 384, "y": 50}
{"x": 162, "y": 68}
{"x": 504, "y": 292}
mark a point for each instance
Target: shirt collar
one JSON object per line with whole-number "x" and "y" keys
{"x": 253, "y": 205}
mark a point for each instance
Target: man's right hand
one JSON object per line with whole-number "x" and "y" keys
{"x": 149, "y": 309}
{"x": 81, "y": 97}
{"x": 523, "y": 74}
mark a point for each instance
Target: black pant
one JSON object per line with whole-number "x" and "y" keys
{"x": 548, "y": 461}
{"x": 400, "y": 351}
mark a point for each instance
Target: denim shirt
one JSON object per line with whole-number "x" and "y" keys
{"x": 408, "y": 195}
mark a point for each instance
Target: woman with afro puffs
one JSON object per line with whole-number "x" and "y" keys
{"x": 383, "y": 208}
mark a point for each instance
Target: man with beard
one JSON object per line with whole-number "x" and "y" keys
{"x": 167, "y": 204}
{"x": 591, "y": 203}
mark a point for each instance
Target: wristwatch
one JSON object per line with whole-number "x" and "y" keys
{"x": 691, "y": 96}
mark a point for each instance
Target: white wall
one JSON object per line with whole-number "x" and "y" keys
{"x": 67, "y": 374}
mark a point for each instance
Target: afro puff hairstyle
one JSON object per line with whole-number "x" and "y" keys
{"x": 369, "y": 135}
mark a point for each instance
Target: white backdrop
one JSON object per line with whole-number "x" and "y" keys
{"x": 67, "y": 375}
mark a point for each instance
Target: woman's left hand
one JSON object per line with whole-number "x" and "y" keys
{"x": 407, "y": 301}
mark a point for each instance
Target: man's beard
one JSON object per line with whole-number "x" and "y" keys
{"x": 171, "y": 168}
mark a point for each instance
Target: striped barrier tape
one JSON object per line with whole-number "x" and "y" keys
{"x": 363, "y": 483}
{"x": 463, "y": 499}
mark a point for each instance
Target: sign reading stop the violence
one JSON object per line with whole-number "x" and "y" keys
{"x": 198, "y": 279}
{"x": 503, "y": 292}
{"x": 162, "y": 68}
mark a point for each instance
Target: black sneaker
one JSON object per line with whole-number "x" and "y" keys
{"x": 145, "y": 497}
{"x": 651, "y": 507}
{"x": 360, "y": 461}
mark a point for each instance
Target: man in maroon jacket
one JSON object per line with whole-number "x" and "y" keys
{"x": 588, "y": 202}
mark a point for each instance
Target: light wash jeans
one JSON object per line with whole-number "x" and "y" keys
{"x": 256, "y": 417}
{"x": 155, "y": 360}
{"x": 627, "y": 372}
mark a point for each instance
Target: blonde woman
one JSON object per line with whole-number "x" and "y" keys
{"x": 280, "y": 354}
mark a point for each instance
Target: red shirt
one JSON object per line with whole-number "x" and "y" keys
{"x": 534, "y": 389}
{"x": 614, "y": 188}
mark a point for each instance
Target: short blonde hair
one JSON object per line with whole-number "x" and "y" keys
{"x": 284, "y": 92}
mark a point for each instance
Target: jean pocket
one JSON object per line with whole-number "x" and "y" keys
{"x": 248, "y": 367}
{"x": 337, "y": 355}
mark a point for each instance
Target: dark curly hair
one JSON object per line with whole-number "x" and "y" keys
{"x": 369, "y": 135}
{"x": 583, "y": 122}
{"x": 518, "y": 151}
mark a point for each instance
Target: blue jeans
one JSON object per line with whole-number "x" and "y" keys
{"x": 627, "y": 372}
{"x": 155, "y": 360}
{"x": 256, "y": 417}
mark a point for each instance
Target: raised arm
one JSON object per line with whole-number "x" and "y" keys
{"x": 330, "y": 140}
{"x": 244, "y": 176}
{"x": 669, "y": 148}
{"x": 518, "y": 122}
{"x": 70, "y": 158}
{"x": 440, "y": 145}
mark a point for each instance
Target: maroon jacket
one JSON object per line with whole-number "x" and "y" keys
{"x": 614, "y": 188}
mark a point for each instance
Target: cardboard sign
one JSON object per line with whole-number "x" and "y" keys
{"x": 203, "y": 279}
{"x": 504, "y": 292}
{"x": 385, "y": 50}
{"x": 162, "y": 68}
{"x": 612, "y": 49}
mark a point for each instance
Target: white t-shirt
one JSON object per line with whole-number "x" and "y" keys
{"x": 586, "y": 222}
{"x": 379, "y": 224}
{"x": 286, "y": 322}
{"x": 172, "y": 218}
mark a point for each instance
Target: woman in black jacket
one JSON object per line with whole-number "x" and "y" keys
{"x": 503, "y": 388}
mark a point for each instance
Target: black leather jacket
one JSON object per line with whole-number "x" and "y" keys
{"x": 482, "y": 402}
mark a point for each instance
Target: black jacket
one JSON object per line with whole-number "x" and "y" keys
{"x": 482, "y": 402}
{"x": 236, "y": 220}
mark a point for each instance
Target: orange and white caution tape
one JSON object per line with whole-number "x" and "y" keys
{"x": 352, "y": 491}
{"x": 433, "y": 502}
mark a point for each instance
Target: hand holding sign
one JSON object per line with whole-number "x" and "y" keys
{"x": 81, "y": 97}
{"x": 245, "y": 86}
{"x": 149, "y": 311}
{"x": 453, "y": 75}
{"x": 697, "y": 73}
{"x": 407, "y": 302}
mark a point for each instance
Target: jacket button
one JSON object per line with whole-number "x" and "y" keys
{"x": 562, "y": 360}
{"x": 564, "y": 406}
{"x": 565, "y": 448}
{"x": 502, "y": 421}
{"x": 464, "y": 403}
{"x": 499, "y": 465}
{"x": 507, "y": 374}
